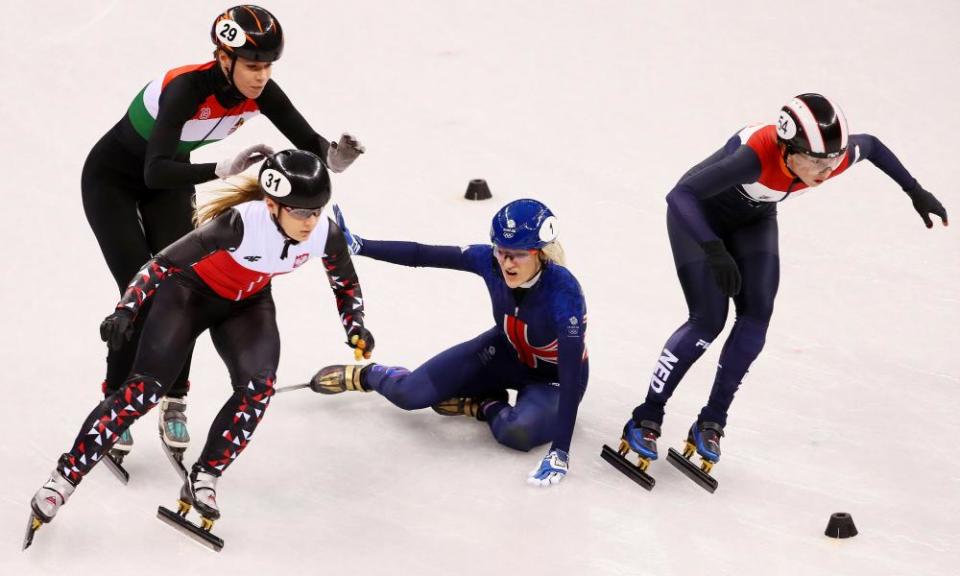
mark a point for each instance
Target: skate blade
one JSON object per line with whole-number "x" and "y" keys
{"x": 176, "y": 460}
{"x": 624, "y": 466}
{"x": 33, "y": 524}
{"x": 202, "y": 536}
{"x": 114, "y": 464}
{"x": 692, "y": 471}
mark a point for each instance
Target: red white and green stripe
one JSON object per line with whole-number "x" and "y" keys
{"x": 210, "y": 123}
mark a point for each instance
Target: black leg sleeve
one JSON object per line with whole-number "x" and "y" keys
{"x": 249, "y": 343}
{"x": 167, "y": 215}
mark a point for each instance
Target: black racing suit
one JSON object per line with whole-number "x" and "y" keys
{"x": 244, "y": 332}
{"x": 138, "y": 194}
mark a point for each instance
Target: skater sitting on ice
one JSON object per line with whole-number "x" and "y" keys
{"x": 536, "y": 345}
{"x": 218, "y": 277}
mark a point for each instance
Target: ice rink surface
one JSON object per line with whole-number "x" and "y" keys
{"x": 596, "y": 108}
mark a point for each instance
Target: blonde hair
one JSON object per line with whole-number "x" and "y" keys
{"x": 242, "y": 189}
{"x": 553, "y": 252}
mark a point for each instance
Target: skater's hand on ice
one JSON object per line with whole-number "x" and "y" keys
{"x": 725, "y": 270}
{"x": 354, "y": 243}
{"x": 926, "y": 204}
{"x": 341, "y": 154}
{"x": 246, "y": 158}
{"x": 361, "y": 340}
{"x": 552, "y": 469}
{"x": 117, "y": 328}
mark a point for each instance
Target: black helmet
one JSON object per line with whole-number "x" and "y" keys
{"x": 249, "y": 32}
{"x": 812, "y": 125}
{"x": 295, "y": 178}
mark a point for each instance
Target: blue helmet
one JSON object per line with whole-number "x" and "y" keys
{"x": 523, "y": 224}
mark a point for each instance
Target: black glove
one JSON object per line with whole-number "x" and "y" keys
{"x": 117, "y": 328}
{"x": 925, "y": 204}
{"x": 361, "y": 340}
{"x": 724, "y": 268}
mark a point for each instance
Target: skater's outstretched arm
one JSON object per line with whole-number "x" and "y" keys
{"x": 466, "y": 258}
{"x": 870, "y": 147}
{"x": 346, "y": 288}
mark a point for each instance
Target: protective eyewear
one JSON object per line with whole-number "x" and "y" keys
{"x": 303, "y": 213}
{"x": 821, "y": 164}
{"x": 515, "y": 255}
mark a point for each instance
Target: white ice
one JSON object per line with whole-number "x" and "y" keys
{"x": 596, "y": 108}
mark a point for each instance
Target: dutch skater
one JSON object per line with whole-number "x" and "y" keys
{"x": 138, "y": 181}
{"x": 722, "y": 224}
{"x": 217, "y": 278}
{"x": 535, "y": 347}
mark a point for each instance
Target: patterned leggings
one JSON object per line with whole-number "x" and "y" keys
{"x": 246, "y": 337}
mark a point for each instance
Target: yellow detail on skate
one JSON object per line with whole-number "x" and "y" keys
{"x": 35, "y": 524}
{"x": 183, "y": 507}
{"x": 706, "y": 465}
{"x": 624, "y": 449}
{"x": 688, "y": 450}
{"x": 206, "y": 523}
{"x": 337, "y": 379}
{"x": 352, "y": 377}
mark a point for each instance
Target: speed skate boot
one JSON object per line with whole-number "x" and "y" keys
{"x": 51, "y": 496}
{"x": 339, "y": 378}
{"x": 469, "y": 406}
{"x": 200, "y": 491}
{"x": 45, "y": 504}
{"x": 641, "y": 439}
{"x": 704, "y": 439}
{"x": 173, "y": 424}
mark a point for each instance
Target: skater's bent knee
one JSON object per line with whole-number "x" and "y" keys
{"x": 517, "y": 436}
{"x": 260, "y": 385}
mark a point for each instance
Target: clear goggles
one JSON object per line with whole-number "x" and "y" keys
{"x": 303, "y": 213}
{"x": 819, "y": 164}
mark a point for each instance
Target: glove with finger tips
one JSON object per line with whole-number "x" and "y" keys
{"x": 246, "y": 158}
{"x": 926, "y": 204}
{"x": 553, "y": 468}
{"x": 724, "y": 268}
{"x": 354, "y": 242}
{"x": 361, "y": 340}
{"x": 117, "y": 328}
{"x": 340, "y": 155}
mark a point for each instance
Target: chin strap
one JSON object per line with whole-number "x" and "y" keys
{"x": 287, "y": 240}
{"x": 231, "y": 91}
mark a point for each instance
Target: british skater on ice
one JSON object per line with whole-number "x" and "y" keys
{"x": 722, "y": 225}
{"x": 138, "y": 180}
{"x": 536, "y": 345}
{"x": 217, "y": 278}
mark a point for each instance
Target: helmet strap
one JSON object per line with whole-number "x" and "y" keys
{"x": 287, "y": 240}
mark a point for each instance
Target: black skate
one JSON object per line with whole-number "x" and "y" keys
{"x": 115, "y": 456}
{"x": 704, "y": 440}
{"x": 643, "y": 441}
{"x": 188, "y": 499}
